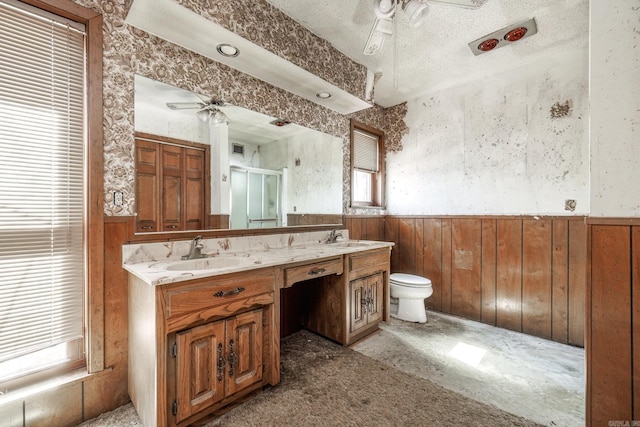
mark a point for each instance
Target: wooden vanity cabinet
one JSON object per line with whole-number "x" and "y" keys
{"x": 349, "y": 307}
{"x": 199, "y": 345}
{"x": 217, "y": 360}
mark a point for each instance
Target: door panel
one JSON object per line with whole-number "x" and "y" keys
{"x": 244, "y": 350}
{"x": 199, "y": 384}
{"x": 374, "y": 292}
{"x": 357, "y": 291}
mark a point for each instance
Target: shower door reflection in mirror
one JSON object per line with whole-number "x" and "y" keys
{"x": 256, "y": 198}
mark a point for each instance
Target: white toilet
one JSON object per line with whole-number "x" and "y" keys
{"x": 409, "y": 291}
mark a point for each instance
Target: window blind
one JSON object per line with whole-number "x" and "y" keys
{"x": 365, "y": 147}
{"x": 42, "y": 79}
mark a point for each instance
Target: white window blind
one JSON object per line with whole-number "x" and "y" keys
{"x": 365, "y": 147}
{"x": 42, "y": 66}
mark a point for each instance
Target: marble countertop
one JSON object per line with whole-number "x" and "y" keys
{"x": 159, "y": 268}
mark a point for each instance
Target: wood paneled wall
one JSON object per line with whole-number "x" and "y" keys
{"x": 313, "y": 219}
{"x": 519, "y": 273}
{"x": 613, "y": 332}
{"x": 365, "y": 227}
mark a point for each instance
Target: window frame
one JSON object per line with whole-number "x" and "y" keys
{"x": 377, "y": 180}
{"x": 94, "y": 177}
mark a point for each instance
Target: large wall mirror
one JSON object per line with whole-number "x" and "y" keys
{"x": 259, "y": 172}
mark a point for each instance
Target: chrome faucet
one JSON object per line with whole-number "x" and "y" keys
{"x": 195, "y": 249}
{"x": 333, "y": 236}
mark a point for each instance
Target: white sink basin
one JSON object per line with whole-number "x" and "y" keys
{"x": 203, "y": 264}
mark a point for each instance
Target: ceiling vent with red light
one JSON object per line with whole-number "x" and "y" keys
{"x": 503, "y": 37}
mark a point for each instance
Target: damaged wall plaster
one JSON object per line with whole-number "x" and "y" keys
{"x": 615, "y": 108}
{"x": 515, "y": 144}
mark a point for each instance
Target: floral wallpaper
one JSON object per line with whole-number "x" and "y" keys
{"x": 268, "y": 27}
{"x": 129, "y": 51}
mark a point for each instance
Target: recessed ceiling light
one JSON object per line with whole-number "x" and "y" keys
{"x": 323, "y": 95}
{"x": 228, "y": 50}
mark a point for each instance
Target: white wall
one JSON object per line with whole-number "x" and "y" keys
{"x": 160, "y": 120}
{"x": 315, "y": 184}
{"x": 515, "y": 144}
{"x": 615, "y": 108}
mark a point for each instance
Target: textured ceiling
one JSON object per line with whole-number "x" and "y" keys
{"x": 436, "y": 56}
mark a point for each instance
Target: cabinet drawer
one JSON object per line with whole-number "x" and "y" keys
{"x": 369, "y": 261}
{"x": 200, "y": 300}
{"x": 311, "y": 271}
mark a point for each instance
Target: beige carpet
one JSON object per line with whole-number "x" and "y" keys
{"x": 325, "y": 384}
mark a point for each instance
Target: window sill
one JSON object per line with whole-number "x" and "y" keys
{"x": 364, "y": 209}
{"x": 22, "y": 393}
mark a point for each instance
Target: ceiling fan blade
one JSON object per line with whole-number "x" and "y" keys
{"x": 185, "y": 105}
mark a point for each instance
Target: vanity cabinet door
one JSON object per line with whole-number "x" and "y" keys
{"x": 358, "y": 304}
{"x": 244, "y": 350}
{"x": 216, "y": 360}
{"x": 200, "y": 368}
{"x": 366, "y": 298}
{"x": 374, "y": 298}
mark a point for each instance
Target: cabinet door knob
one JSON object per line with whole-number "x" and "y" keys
{"x": 221, "y": 294}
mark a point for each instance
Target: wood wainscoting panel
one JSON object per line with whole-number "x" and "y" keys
{"x": 466, "y": 293}
{"x": 527, "y": 274}
{"x": 419, "y": 248}
{"x": 635, "y": 310}
{"x": 432, "y": 259}
{"x": 391, "y": 235}
{"x": 374, "y": 227}
{"x": 488, "y": 274}
{"x": 610, "y": 350}
{"x": 107, "y": 392}
{"x": 407, "y": 244}
{"x": 577, "y": 281}
{"x": 536, "y": 277}
{"x": 356, "y": 228}
{"x": 446, "y": 265}
{"x": 365, "y": 227}
{"x": 560, "y": 281}
{"x": 635, "y": 313}
{"x": 509, "y": 274}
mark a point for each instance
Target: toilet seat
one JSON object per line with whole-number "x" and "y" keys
{"x": 409, "y": 280}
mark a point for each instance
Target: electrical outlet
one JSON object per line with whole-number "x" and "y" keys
{"x": 118, "y": 198}
{"x": 570, "y": 205}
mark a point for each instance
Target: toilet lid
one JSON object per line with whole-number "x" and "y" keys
{"x": 410, "y": 280}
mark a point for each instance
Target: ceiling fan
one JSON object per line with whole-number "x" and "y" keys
{"x": 208, "y": 111}
{"x": 416, "y": 12}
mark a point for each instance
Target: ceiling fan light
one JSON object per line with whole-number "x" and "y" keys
{"x": 203, "y": 115}
{"x": 384, "y": 8}
{"x": 218, "y": 118}
{"x": 416, "y": 11}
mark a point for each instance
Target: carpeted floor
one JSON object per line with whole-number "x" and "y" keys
{"x": 325, "y": 384}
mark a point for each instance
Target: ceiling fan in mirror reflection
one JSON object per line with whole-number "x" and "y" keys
{"x": 208, "y": 111}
